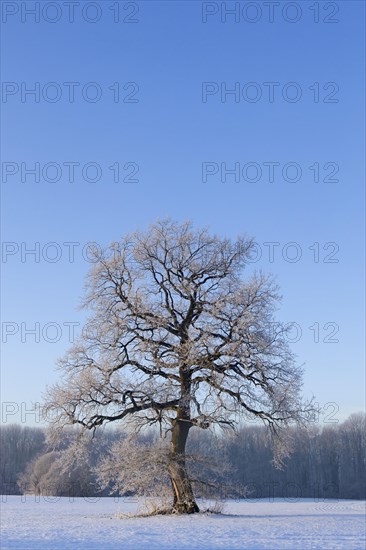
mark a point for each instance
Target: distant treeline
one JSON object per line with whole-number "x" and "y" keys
{"x": 326, "y": 462}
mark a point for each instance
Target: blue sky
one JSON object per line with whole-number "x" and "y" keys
{"x": 168, "y": 133}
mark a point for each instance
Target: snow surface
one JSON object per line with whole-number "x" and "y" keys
{"x": 30, "y": 523}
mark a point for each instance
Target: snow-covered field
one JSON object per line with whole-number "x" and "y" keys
{"x": 60, "y": 524}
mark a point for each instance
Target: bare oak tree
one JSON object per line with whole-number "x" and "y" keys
{"x": 177, "y": 337}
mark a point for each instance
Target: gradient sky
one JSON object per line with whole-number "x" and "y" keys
{"x": 169, "y": 132}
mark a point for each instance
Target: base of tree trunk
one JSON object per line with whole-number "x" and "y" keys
{"x": 192, "y": 508}
{"x": 185, "y": 508}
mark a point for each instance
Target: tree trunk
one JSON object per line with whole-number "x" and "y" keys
{"x": 184, "y": 501}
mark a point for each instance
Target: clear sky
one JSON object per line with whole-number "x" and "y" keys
{"x": 149, "y": 93}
